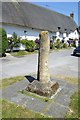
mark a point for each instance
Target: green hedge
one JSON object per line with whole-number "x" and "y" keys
{"x": 30, "y": 45}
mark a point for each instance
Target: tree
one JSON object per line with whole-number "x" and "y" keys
{"x": 0, "y": 40}
{"x": 3, "y": 41}
{"x": 16, "y": 40}
{"x": 13, "y": 41}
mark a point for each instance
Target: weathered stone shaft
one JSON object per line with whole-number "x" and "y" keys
{"x": 43, "y": 73}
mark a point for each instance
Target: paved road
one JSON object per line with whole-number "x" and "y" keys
{"x": 59, "y": 63}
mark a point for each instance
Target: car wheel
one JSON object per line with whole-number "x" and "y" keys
{"x": 74, "y": 53}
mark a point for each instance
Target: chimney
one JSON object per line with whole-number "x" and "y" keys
{"x": 72, "y": 15}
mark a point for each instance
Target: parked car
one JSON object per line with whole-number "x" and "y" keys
{"x": 76, "y": 51}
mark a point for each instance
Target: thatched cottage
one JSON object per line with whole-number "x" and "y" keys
{"x": 27, "y": 20}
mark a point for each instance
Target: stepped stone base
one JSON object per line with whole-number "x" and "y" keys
{"x": 43, "y": 89}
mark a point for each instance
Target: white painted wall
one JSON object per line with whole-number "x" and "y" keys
{"x": 32, "y": 34}
{"x": 64, "y": 35}
{"x": 59, "y": 36}
{"x": 73, "y": 35}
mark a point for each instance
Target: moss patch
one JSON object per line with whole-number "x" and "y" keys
{"x": 45, "y": 99}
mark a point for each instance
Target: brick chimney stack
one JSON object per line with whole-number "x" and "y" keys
{"x": 72, "y": 15}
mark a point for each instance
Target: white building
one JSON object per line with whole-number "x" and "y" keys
{"x": 28, "y": 20}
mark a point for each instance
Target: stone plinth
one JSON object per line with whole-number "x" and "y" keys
{"x": 43, "y": 89}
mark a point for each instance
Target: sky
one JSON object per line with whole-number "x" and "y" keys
{"x": 62, "y": 7}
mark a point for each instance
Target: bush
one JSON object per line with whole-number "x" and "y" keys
{"x": 30, "y": 45}
{"x": 73, "y": 44}
{"x": 37, "y": 44}
{"x": 24, "y": 41}
{"x": 37, "y": 41}
{"x": 64, "y": 45}
{"x": 3, "y": 41}
{"x": 58, "y": 44}
{"x": 51, "y": 44}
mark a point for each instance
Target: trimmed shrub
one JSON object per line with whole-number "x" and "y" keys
{"x": 24, "y": 41}
{"x": 37, "y": 44}
{"x": 73, "y": 44}
{"x": 51, "y": 44}
{"x": 64, "y": 45}
{"x": 58, "y": 44}
{"x": 30, "y": 45}
{"x": 3, "y": 41}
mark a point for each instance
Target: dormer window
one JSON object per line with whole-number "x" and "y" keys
{"x": 59, "y": 28}
{"x": 65, "y": 30}
{"x": 25, "y": 31}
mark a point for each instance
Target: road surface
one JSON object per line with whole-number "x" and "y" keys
{"x": 60, "y": 62}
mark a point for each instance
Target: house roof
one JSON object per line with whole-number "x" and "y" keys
{"x": 30, "y": 15}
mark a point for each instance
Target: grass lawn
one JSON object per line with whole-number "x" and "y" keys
{"x": 11, "y": 110}
{"x": 10, "y": 81}
{"x": 21, "y": 53}
{"x": 72, "y": 80}
{"x": 73, "y": 107}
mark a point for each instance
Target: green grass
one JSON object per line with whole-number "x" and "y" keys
{"x": 9, "y": 81}
{"x": 11, "y": 110}
{"x": 72, "y": 80}
{"x": 73, "y": 107}
{"x": 21, "y": 53}
{"x": 36, "y": 96}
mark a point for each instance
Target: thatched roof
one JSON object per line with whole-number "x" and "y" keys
{"x": 30, "y": 15}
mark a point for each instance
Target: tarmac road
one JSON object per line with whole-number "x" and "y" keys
{"x": 60, "y": 62}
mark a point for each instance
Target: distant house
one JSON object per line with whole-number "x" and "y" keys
{"x": 27, "y": 20}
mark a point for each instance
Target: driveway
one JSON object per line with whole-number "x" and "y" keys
{"x": 59, "y": 63}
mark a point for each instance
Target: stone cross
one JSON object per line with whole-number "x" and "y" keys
{"x": 43, "y": 85}
{"x": 43, "y": 73}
